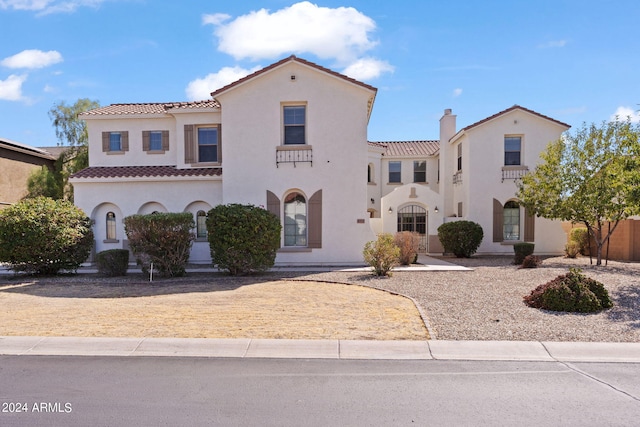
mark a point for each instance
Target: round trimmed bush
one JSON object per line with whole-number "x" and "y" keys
{"x": 44, "y": 236}
{"x": 571, "y": 292}
{"x": 521, "y": 251}
{"x": 461, "y": 238}
{"x": 243, "y": 238}
{"x": 113, "y": 262}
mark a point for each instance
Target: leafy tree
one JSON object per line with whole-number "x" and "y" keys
{"x": 44, "y": 182}
{"x": 243, "y": 238}
{"x": 163, "y": 239}
{"x": 44, "y": 236}
{"x": 591, "y": 177}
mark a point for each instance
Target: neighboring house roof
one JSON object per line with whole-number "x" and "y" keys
{"x": 143, "y": 171}
{"x": 56, "y": 151}
{"x": 291, "y": 58}
{"x": 150, "y": 108}
{"x": 408, "y": 148}
{"x": 25, "y": 149}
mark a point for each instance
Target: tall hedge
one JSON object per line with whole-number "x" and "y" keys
{"x": 461, "y": 238}
{"x": 243, "y": 238}
{"x": 163, "y": 239}
{"x": 44, "y": 236}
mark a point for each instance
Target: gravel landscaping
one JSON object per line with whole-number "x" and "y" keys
{"x": 486, "y": 303}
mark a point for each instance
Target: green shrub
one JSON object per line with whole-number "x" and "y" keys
{"x": 572, "y": 249}
{"x": 522, "y": 250}
{"x": 531, "y": 261}
{"x": 113, "y": 262}
{"x": 382, "y": 254}
{"x": 461, "y": 238}
{"x": 163, "y": 239}
{"x": 44, "y": 236}
{"x": 243, "y": 238}
{"x": 580, "y": 236}
{"x": 408, "y": 243}
{"x": 572, "y": 292}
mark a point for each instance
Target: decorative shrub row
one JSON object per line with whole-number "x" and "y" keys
{"x": 44, "y": 236}
{"x": 113, "y": 262}
{"x": 572, "y": 292}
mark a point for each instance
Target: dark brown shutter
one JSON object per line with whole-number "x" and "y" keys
{"x": 105, "y": 141}
{"x": 165, "y": 140}
{"x": 125, "y": 140}
{"x": 189, "y": 148}
{"x": 498, "y": 221}
{"x": 314, "y": 221}
{"x": 146, "y": 140}
{"x": 273, "y": 204}
{"x": 529, "y": 226}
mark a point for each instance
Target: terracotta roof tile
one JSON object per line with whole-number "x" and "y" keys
{"x": 409, "y": 148}
{"x": 515, "y": 107}
{"x": 143, "y": 171}
{"x": 150, "y": 108}
{"x": 285, "y": 60}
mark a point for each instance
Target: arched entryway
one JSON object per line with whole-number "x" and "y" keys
{"x": 414, "y": 218}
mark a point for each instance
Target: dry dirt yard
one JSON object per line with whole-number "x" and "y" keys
{"x": 204, "y": 306}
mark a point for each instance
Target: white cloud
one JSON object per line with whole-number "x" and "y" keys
{"x": 215, "y": 19}
{"x": 11, "y": 88}
{"x": 201, "y": 88}
{"x": 553, "y": 44}
{"x": 341, "y": 33}
{"x": 367, "y": 68}
{"x": 32, "y": 58}
{"x": 457, "y": 92}
{"x": 624, "y": 113}
{"x": 46, "y": 7}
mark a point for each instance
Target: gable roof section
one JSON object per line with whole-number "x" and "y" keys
{"x": 510, "y": 109}
{"x": 151, "y": 108}
{"x": 291, "y": 58}
{"x": 408, "y": 148}
{"x": 144, "y": 172}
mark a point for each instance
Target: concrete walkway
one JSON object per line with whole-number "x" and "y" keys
{"x": 324, "y": 349}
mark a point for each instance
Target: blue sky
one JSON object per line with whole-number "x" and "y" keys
{"x": 574, "y": 60}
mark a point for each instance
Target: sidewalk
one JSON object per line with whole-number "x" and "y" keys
{"x": 324, "y": 349}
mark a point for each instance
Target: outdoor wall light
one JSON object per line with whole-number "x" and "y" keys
{"x": 435, "y": 209}
{"x": 372, "y": 201}
{"x": 390, "y": 210}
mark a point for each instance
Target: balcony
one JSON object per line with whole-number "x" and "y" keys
{"x": 514, "y": 172}
{"x": 294, "y": 154}
{"x": 457, "y": 177}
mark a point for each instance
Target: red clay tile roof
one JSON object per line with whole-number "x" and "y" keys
{"x": 409, "y": 148}
{"x": 285, "y": 60}
{"x": 143, "y": 171}
{"x": 515, "y": 107}
{"x": 150, "y": 108}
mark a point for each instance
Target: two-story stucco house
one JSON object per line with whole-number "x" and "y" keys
{"x": 292, "y": 138}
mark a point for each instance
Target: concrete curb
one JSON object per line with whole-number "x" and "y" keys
{"x": 323, "y": 349}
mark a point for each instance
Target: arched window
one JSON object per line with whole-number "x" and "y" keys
{"x": 295, "y": 220}
{"x": 111, "y": 226}
{"x": 201, "y": 225}
{"x": 511, "y": 221}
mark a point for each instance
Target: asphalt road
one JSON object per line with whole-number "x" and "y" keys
{"x": 175, "y": 391}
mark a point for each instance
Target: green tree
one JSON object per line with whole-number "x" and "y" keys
{"x": 71, "y": 132}
{"x": 44, "y": 182}
{"x": 591, "y": 177}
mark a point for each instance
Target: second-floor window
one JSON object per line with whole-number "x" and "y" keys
{"x": 115, "y": 142}
{"x": 155, "y": 141}
{"x": 207, "y": 144}
{"x": 395, "y": 172}
{"x": 512, "y": 150}
{"x": 294, "y": 124}
{"x": 419, "y": 171}
{"x": 459, "y": 157}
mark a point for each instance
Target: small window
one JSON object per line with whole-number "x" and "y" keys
{"x": 201, "y": 225}
{"x": 369, "y": 177}
{"x": 295, "y": 220}
{"x": 115, "y": 141}
{"x": 512, "y": 150}
{"x": 294, "y": 125}
{"x": 395, "y": 172}
{"x": 419, "y": 171}
{"x": 459, "y": 209}
{"x": 459, "y": 157}
{"x": 155, "y": 141}
{"x": 511, "y": 217}
{"x": 208, "y": 144}
{"x": 111, "y": 226}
